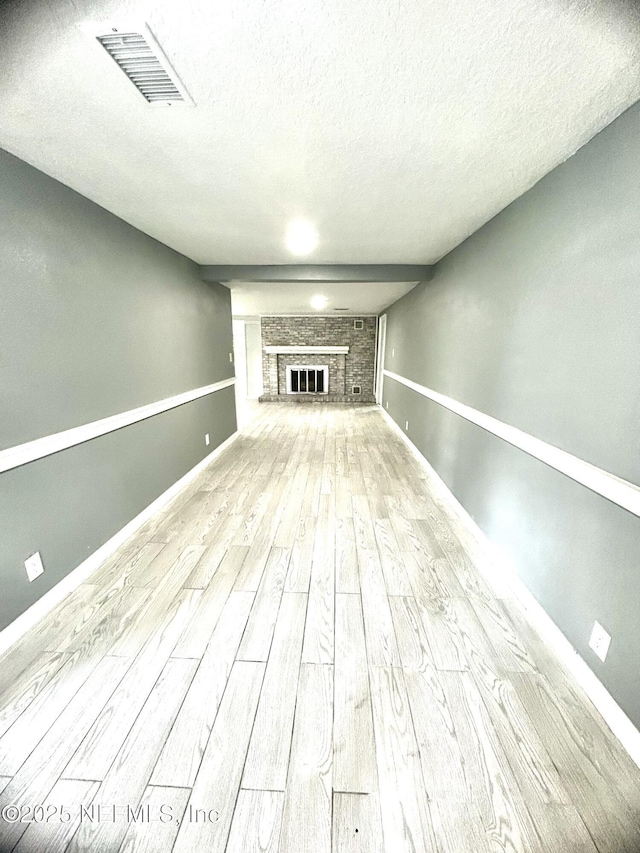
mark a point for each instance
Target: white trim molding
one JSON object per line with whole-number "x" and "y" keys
{"x": 501, "y": 574}
{"x": 621, "y": 492}
{"x": 20, "y": 454}
{"x": 56, "y": 594}
{"x": 274, "y": 350}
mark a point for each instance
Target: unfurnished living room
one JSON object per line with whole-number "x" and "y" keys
{"x": 319, "y": 426}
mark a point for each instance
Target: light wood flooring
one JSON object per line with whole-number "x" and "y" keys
{"x": 299, "y": 656}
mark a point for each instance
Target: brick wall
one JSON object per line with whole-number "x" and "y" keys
{"x": 345, "y": 371}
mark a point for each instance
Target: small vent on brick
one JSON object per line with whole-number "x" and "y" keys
{"x": 356, "y": 389}
{"x": 139, "y": 55}
{"x": 358, "y": 325}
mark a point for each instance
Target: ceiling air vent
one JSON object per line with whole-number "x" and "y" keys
{"x": 138, "y": 54}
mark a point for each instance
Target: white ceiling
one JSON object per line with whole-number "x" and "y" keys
{"x": 397, "y": 128}
{"x": 252, "y": 298}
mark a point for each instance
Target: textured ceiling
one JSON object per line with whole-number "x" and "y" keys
{"x": 397, "y": 127}
{"x": 252, "y": 297}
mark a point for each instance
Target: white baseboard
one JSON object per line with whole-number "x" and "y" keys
{"x": 501, "y": 573}
{"x": 79, "y": 575}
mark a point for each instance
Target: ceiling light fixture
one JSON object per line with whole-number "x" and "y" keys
{"x": 319, "y": 302}
{"x": 302, "y": 237}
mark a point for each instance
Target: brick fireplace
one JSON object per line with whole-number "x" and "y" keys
{"x": 345, "y": 345}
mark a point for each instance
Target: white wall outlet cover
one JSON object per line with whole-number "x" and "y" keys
{"x": 230, "y": 356}
{"x": 34, "y": 567}
{"x": 393, "y": 352}
{"x": 387, "y": 404}
{"x": 600, "y": 641}
{"x": 206, "y": 439}
{"x": 406, "y": 425}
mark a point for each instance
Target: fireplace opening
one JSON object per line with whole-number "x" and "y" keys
{"x": 307, "y": 379}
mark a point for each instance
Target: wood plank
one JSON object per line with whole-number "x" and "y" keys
{"x": 382, "y": 649}
{"x": 218, "y": 780}
{"x": 441, "y": 755}
{"x": 299, "y": 574}
{"x": 253, "y": 567}
{"x": 31, "y": 726}
{"x": 319, "y": 631}
{"x": 127, "y": 779}
{"x": 113, "y": 605}
{"x": 363, "y": 523}
{"x": 403, "y": 799}
{"x": 268, "y": 755}
{"x": 256, "y": 822}
{"x": 98, "y": 749}
{"x": 182, "y": 753}
{"x": 614, "y": 822}
{"x": 259, "y": 632}
{"x": 177, "y": 562}
{"x": 562, "y": 828}
{"x": 177, "y": 558}
{"x": 40, "y": 771}
{"x": 17, "y": 696}
{"x": 354, "y": 767}
{"x": 470, "y": 578}
{"x": 126, "y": 622}
{"x": 347, "y": 575}
{"x": 62, "y": 814}
{"x": 288, "y": 522}
{"x": 344, "y": 507}
{"x": 458, "y": 827}
{"x": 46, "y": 635}
{"x": 217, "y": 546}
{"x": 511, "y": 653}
{"x": 413, "y": 644}
{"x": 127, "y": 565}
{"x": 163, "y": 811}
{"x": 209, "y": 605}
{"x": 427, "y": 578}
{"x": 395, "y": 575}
{"x": 492, "y": 785}
{"x": 532, "y": 764}
{"x": 306, "y": 820}
{"x": 357, "y": 824}
{"x": 444, "y": 635}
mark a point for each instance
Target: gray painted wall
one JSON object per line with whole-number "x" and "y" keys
{"x": 535, "y": 320}
{"x": 95, "y": 318}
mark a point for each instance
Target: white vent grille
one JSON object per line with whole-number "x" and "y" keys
{"x": 138, "y": 54}
{"x": 358, "y": 325}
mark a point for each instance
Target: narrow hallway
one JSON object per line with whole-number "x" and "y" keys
{"x": 298, "y": 654}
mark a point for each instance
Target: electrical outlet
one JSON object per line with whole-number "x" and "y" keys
{"x": 600, "y": 641}
{"x": 34, "y": 567}
{"x": 393, "y": 352}
{"x": 387, "y": 404}
{"x": 230, "y": 356}
{"x": 406, "y": 426}
{"x": 206, "y": 439}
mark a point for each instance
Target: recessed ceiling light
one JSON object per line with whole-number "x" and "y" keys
{"x": 302, "y": 237}
{"x": 319, "y": 302}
